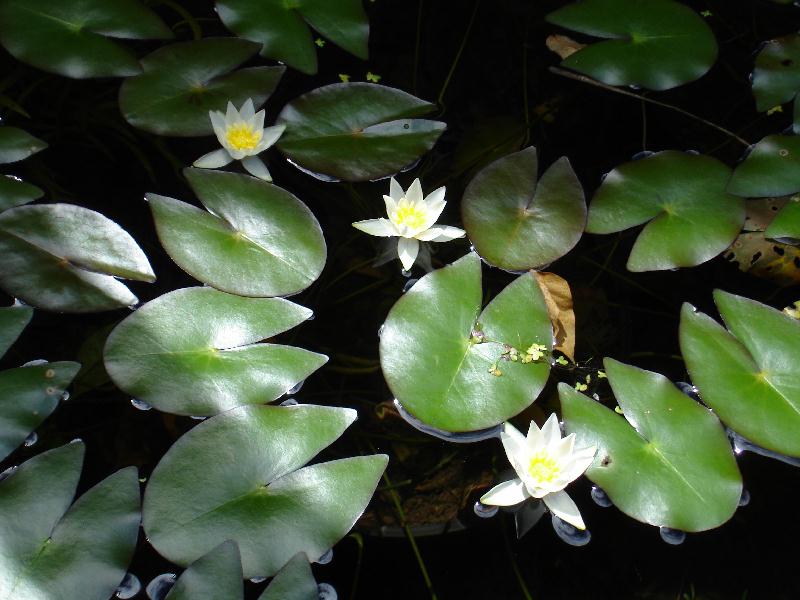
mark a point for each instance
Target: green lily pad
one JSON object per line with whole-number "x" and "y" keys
{"x": 214, "y": 576}
{"x": 776, "y": 77}
{"x": 15, "y": 192}
{"x": 438, "y": 349}
{"x": 64, "y": 257}
{"x": 71, "y": 37}
{"x": 17, "y": 144}
{"x": 771, "y": 169}
{"x": 294, "y": 581}
{"x": 667, "y": 462}
{"x": 282, "y": 27}
{"x": 52, "y": 551}
{"x": 357, "y": 131}
{"x": 657, "y": 44}
{"x": 182, "y": 82}
{"x": 786, "y": 224}
{"x": 194, "y": 352}
{"x": 256, "y": 240}
{"x": 28, "y": 395}
{"x": 517, "y": 222}
{"x": 237, "y": 476}
{"x": 13, "y": 320}
{"x": 691, "y": 217}
{"x": 747, "y": 374}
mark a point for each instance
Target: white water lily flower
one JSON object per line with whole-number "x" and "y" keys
{"x": 412, "y": 219}
{"x": 545, "y": 463}
{"x": 243, "y": 136}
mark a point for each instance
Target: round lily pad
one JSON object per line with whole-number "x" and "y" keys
{"x": 692, "y": 218}
{"x": 747, "y": 373}
{"x": 15, "y": 192}
{"x": 517, "y": 221}
{"x": 449, "y": 363}
{"x": 256, "y": 240}
{"x": 17, "y": 144}
{"x": 182, "y": 82}
{"x": 214, "y": 576}
{"x": 667, "y": 461}
{"x": 52, "y": 551}
{"x": 282, "y": 27}
{"x": 64, "y": 257}
{"x": 772, "y": 168}
{"x": 238, "y": 476}
{"x": 195, "y": 351}
{"x": 776, "y": 77}
{"x": 357, "y": 131}
{"x": 71, "y": 37}
{"x": 658, "y": 44}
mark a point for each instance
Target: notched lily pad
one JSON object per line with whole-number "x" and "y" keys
{"x": 667, "y": 462}
{"x": 357, "y": 131}
{"x": 657, "y": 44}
{"x": 747, "y": 374}
{"x": 283, "y": 27}
{"x": 75, "y": 38}
{"x": 517, "y": 221}
{"x": 772, "y": 168}
{"x": 690, "y": 216}
{"x": 256, "y": 239}
{"x": 182, "y": 82}
{"x": 197, "y": 351}
{"x": 66, "y": 258}
{"x": 450, "y": 364}
{"x": 776, "y": 78}
{"x": 258, "y": 496}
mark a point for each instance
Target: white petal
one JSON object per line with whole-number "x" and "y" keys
{"x": 414, "y": 192}
{"x": 513, "y": 444}
{"x": 379, "y": 227}
{"x": 231, "y": 115}
{"x": 407, "y": 250}
{"x": 218, "y": 123}
{"x": 562, "y": 506}
{"x": 248, "y": 111}
{"x": 562, "y": 450}
{"x": 436, "y": 197}
{"x": 213, "y": 160}
{"x": 551, "y": 431}
{"x": 580, "y": 461}
{"x": 447, "y": 233}
{"x": 269, "y": 137}
{"x": 256, "y": 167}
{"x": 391, "y": 204}
{"x": 258, "y": 120}
{"x": 434, "y": 205}
{"x": 507, "y": 493}
{"x": 395, "y": 190}
{"x": 534, "y": 438}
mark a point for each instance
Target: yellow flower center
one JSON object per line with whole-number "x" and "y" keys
{"x": 543, "y": 468}
{"x": 242, "y": 136}
{"x": 409, "y": 215}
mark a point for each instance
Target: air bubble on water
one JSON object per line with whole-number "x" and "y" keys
{"x": 569, "y": 533}
{"x": 326, "y": 592}
{"x": 642, "y": 154}
{"x": 65, "y": 396}
{"x": 289, "y": 402}
{"x": 315, "y": 175}
{"x": 603, "y": 177}
{"x": 258, "y": 579}
{"x": 380, "y": 329}
{"x": 8, "y": 472}
{"x": 311, "y": 317}
{"x": 76, "y": 441}
{"x": 472, "y": 248}
{"x": 744, "y": 499}
{"x": 198, "y": 417}
{"x": 746, "y": 153}
{"x": 134, "y": 306}
{"x": 461, "y": 437}
{"x": 689, "y": 390}
{"x": 140, "y": 404}
{"x": 693, "y": 152}
{"x": 635, "y": 87}
{"x": 160, "y": 586}
{"x": 485, "y": 511}
{"x": 129, "y": 587}
{"x": 674, "y": 537}
{"x": 31, "y": 439}
{"x": 410, "y": 283}
{"x": 295, "y": 388}
{"x": 325, "y": 558}
{"x": 35, "y": 363}
{"x": 600, "y": 497}
{"x": 740, "y": 444}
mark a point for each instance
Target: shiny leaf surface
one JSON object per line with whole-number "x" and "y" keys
{"x": 294, "y": 581}
{"x": 15, "y": 192}
{"x": 772, "y": 168}
{"x": 17, "y": 144}
{"x": 215, "y": 576}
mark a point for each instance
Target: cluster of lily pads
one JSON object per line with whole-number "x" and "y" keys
{"x": 458, "y": 369}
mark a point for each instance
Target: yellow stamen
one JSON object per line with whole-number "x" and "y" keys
{"x": 408, "y": 214}
{"x": 242, "y": 136}
{"x": 543, "y": 468}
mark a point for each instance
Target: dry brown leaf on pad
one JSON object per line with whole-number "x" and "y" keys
{"x": 558, "y": 298}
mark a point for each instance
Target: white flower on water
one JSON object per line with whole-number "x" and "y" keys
{"x": 243, "y": 136}
{"x": 412, "y": 219}
{"x": 545, "y": 464}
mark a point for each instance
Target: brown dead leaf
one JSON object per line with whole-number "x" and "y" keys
{"x": 760, "y": 212}
{"x": 558, "y": 298}
{"x": 562, "y": 45}
{"x": 767, "y": 259}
